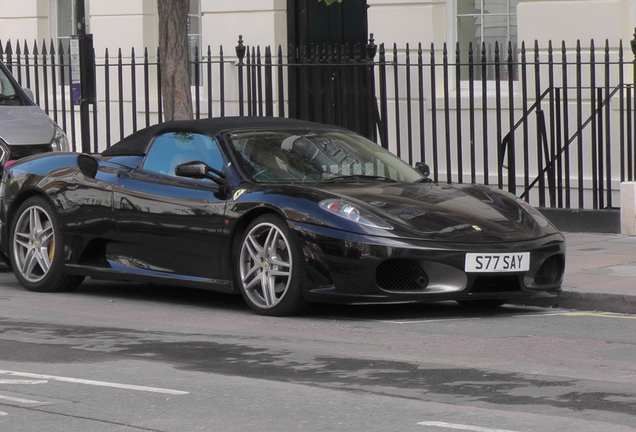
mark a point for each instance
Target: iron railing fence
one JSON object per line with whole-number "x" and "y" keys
{"x": 555, "y": 125}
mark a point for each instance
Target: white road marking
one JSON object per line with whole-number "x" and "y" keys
{"x": 540, "y": 314}
{"x": 420, "y": 321}
{"x": 461, "y": 427}
{"x": 474, "y": 318}
{"x": 20, "y": 400}
{"x": 530, "y": 315}
{"x": 23, "y": 381}
{"x": 95, "y": 383}
{"x": 2, "y": 413}
{"x": 601, "y": 315}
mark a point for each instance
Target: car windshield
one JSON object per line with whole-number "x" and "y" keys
{"x": 7, "y": 91}
{"x": 315, "y": 157}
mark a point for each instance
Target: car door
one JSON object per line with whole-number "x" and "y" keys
{"x": 173, "y": 224}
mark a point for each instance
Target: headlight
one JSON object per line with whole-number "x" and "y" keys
{"x": 536, "y": 214}
{"x": 59, "y": 141}
{"x": 353, "y": 213}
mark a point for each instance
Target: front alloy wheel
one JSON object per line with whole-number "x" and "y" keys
{"x": 33, "y": 244}
{"x": 269, "y": 268}
{"x": 36, "y": 255}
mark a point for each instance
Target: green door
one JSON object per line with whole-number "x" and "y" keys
{"x": 330, "y": 79}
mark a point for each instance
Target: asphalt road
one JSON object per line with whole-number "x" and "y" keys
{"x": 133, "y": 357}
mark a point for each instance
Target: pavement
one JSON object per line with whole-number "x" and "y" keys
{"x": 600, "y": 274}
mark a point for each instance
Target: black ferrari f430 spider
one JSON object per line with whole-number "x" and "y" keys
{"x": 281, "y": 211}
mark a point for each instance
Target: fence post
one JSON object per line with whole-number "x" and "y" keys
{"x": 9, "y": 57}
{"x": 628, "y": 208}
{"x": 240, "y": 53}
{"x": 371, "y": 50}
{"x": 633, "y": 45}
{"x": 628, "y": 189}
{"x": 87, "y": 72}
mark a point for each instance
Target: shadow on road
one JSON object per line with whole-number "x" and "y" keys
{"x": 168, "y": 294}
{"x": 234, "y": 303}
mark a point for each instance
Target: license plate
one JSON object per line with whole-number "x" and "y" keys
{"x": 497, "y": 262}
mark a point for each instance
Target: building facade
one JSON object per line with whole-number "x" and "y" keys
{"x": 133, "y": 23}
{"x": 464, "y": 121}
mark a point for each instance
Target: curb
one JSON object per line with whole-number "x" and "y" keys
{"x": 566, "y": 299}
{"x": 597, "y": 301}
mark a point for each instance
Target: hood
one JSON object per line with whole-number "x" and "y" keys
{"x": 461, "y": 213}
{"x": 24, "y": 125}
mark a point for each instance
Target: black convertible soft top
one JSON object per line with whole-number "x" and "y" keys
{"x": 137, "y": 143}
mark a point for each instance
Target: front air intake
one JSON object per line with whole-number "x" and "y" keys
{"x": 551, "y": 271}
{"x": 401, "y": 275}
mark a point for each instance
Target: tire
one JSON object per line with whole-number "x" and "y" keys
{"x": 36, "y": 249}
{"x": 483, "y": 303}
{"x": 270, "y": 268}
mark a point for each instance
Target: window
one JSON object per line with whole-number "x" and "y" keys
{"x": 489, "y": 22}
{"x": 174, "y": 148}
{"x": 63, "y": 26}
{"x": 314, "y": 156}
{"x": 65, "y": 21}
{"x": 7, "y": 91}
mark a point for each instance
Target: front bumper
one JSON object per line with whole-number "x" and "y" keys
{"x": 351, "y": 268}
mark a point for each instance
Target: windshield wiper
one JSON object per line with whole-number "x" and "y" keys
{"x": 357, "y": 178}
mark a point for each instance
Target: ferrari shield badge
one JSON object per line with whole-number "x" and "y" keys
{"x": 238, "y": 193}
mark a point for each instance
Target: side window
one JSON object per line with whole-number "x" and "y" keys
{"x": 174, "y": 148}
{"x": 6, "y": 89}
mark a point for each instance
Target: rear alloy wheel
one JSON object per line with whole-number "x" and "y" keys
{"x": 37, "y": 250}
{"x": 483, "y": 303}
{"x": 270, "y": 268}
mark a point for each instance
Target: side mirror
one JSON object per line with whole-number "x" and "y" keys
{"x": 88, "y": 165}
{"x": 199, "y": 170}
{"x": 423, "y": 168}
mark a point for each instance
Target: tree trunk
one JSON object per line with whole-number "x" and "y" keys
{"x": 173, "y": 54}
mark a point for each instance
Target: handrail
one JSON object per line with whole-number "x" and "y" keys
{"x": 550, "y": 166}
